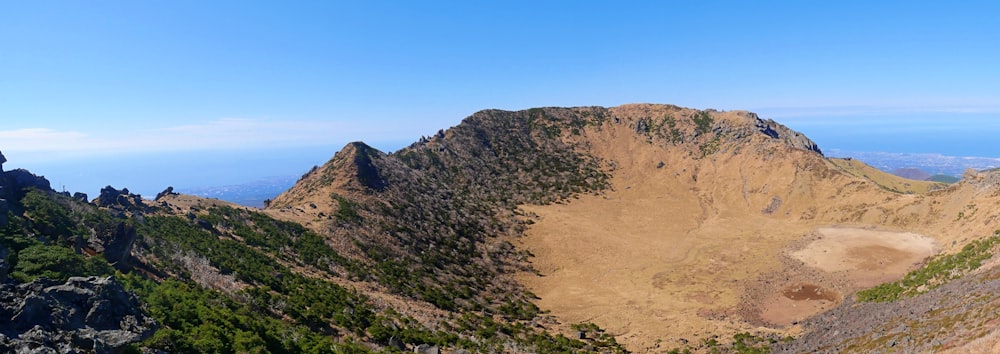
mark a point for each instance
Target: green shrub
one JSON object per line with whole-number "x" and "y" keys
{"x": 53, "y": 262}
{"x": 935, "y": 273}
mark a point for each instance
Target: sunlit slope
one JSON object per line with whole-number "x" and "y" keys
{"x": 664, "y": 225}
{"x": 886, "y": 180}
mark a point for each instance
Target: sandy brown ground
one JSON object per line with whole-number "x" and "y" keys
{"x": 644, "y": 275}
{"x": 742, "y": 241}
{"x": 837, "y": 262}
{"x": 635, "y": 270}
{"x": 866, "y": 257}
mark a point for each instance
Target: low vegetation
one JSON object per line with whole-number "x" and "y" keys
{"x": 740, "y": 343}
{"x": 935, "y": 273}
{"x": 247, "y": 293}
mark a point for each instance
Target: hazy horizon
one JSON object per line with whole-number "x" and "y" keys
{"x": 205, "y": 85}
{"x": 150, "y": 173}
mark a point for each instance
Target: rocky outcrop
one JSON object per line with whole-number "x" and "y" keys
{"x": 4, "y": 266}
{"x": 81, "y": 197}
{"x": 2, "y": 160}
{"x": 121, "y": 201}
{"x": 20, "y": 179}
{"x": 165, "y": 192}
{"x": 777, "y": 131}
{"x": 4, "y": 208}
{"x": 115, "y": 243}
{"x": 91, "y": 314}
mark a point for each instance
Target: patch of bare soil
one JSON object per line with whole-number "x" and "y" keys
{"x": 958, "y": 317}
{"x": 835, "y": 261}
{"x": 866, "y": 257}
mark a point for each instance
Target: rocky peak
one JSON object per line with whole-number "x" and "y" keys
{"x": 679, "y": 125}
{"x": 2, "y": 161}
{"x": 364, "y": 169}
{"x": 353, "y": 169}
{"x": 20, "y": 179}
{"x": 165, "y": 192}
{"x": 121, "y": 201}
{"x": 780, "y": 132}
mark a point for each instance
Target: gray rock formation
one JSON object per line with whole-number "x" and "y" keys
{"x": 20, "y": 178}
{"x": 121, "y": 201}
{"x": 81, "y": 197}
{"x": 427, "y": 349}
{"x": 4, "y": 208}
{"x": 777, "y": 131}
{"x": 84, "y": 314}
{"x": 4, "y": 266}
{"x": 115, "y": 243}
{"x": 165, "y": 192}
{"x": 2, "y": 160}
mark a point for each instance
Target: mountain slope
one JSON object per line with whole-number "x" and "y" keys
{"x": 702, "y": 208}
{"x": 640, "y": 227}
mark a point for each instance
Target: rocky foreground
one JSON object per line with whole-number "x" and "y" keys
{"x": 83, "y": 314}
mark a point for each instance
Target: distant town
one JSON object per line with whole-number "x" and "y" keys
{"x": 933, "y": 164}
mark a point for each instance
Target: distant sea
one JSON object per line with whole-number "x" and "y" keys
{"x": 951, "y": 134}
{"x": 942, "y": 143}
{"x": 149, "y": 174}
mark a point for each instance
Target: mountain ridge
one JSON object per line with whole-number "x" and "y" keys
{"x": 641, "y": 227}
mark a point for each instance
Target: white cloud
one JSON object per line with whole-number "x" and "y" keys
{"x": 229, "y": 133}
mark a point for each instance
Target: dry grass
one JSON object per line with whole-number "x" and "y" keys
{"x": 673, "y": 249}
{"x": 887, "y": 180}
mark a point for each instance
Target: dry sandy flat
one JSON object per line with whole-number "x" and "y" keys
{"x": 642, "y": 267}
{"x": 867, "y": 257}
{"x": 839, "y": 261}
{"x": 646, "y": 271}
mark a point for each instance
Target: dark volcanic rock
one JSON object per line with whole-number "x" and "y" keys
{"x": 4, "y": 208}
{"x": 165, "y": 192}
{"x": 81, "y": 197}
{"x": 20, "y": 178}
{"x": 81, "y": 315}
{"x": 777, "y": 131}
{"x": 4, "y": 266}
{"x": 115, "y": 243}
{"x": 121, "y": 201}
{"x": 2, "y": 160}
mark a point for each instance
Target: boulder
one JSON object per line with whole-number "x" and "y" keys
{"x": 83, "y": 314}
{"x": 115, "y": 243}
{"x": 165, "y": 192}
{"x": 121, "y": 201}
{"x": 20, "y": 178}
{"x": 4, "y": 266}
{"x": 4, "y": 208}
{"x": 427, "y": 349}
{"x": 81, "y": 197}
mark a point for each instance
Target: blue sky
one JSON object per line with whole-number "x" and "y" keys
{"x": 195, "y": 79}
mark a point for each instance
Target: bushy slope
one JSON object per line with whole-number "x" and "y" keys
{"x": 415, "y": 249}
